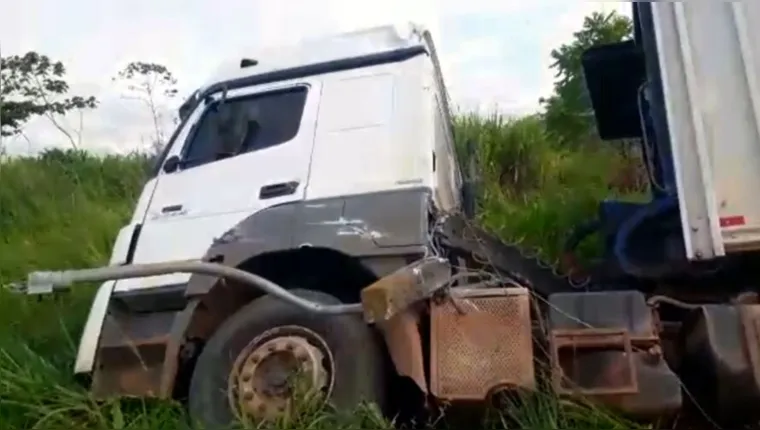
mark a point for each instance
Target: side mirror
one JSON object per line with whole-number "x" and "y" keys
{"x": 171, "y": 164}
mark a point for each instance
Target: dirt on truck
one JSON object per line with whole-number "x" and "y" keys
{"x": 311, "y": 216}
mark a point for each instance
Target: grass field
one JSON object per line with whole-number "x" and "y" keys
{"x": 63, "y": 210}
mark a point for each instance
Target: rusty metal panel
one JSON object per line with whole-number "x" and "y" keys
{"x": 402, "y": 337}
{"x": 605, "y": 347}
{"x": 593, "y": 362}
{"x": 131, "y": 354}
{"x": 125, "y": 372}
{"x": 410, "y": 284}
{"x": 481, "y": 341}
{"x": 123, "y": 329}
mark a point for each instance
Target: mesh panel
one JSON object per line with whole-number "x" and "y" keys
{"x": 487, "y": 347}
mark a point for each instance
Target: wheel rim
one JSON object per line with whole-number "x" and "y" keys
{"x": 261, "y": 383}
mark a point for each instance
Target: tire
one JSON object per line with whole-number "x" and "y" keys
{"x": 359, "y": 368}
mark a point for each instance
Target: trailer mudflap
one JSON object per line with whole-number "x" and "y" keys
{"x": 605, "y": 347}
{"x": 720, "y": 345}
{"x": 480, "y": 343}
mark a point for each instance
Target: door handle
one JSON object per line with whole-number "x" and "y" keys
{"x": 170, "y": 209}
{"x": 278, "y": 190}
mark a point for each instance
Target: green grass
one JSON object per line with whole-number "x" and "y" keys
{"x": 63, "y": 210}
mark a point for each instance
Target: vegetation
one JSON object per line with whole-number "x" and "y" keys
{"x": 62, "y": 209}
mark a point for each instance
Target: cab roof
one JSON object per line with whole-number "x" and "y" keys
{"x": 321, "y": 50}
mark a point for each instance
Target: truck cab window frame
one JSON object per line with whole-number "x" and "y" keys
{"x": 251, "y": 123}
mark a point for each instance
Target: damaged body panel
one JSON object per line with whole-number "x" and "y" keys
{"x": 383, "y": 231}
{"x": 370, "y": 227}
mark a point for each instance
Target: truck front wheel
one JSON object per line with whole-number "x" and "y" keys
{"x": 245, "y": 370}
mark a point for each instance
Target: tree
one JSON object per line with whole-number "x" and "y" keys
{"x": 567, "y": 111}
{"x": 150, "y": 83}
{"x": 34, "y": 85}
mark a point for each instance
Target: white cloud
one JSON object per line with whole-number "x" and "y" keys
{"x": 494, "y": 52}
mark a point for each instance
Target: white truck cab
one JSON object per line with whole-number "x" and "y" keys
{"x": 342, "y": 144}
{"x": 349, "y": 115}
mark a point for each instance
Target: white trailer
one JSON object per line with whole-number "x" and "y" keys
{"x": 709, "y": 59}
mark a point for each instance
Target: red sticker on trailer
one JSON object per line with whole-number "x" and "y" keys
{"x": 732, "y": 221}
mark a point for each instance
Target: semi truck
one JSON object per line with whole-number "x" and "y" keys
{"x": 310, "y": 215}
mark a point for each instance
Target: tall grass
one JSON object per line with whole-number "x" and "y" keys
{"x": 63, "y": 209}
{"x": 533, "y": 189}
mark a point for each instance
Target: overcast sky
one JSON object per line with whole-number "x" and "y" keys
{"x": 495, "y": 53}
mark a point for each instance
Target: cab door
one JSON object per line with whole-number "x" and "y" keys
{"x": 236, "y": 156}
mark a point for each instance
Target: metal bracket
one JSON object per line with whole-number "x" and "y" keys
{"x": 392, "y": 294}
{"x": 592, "y": 339}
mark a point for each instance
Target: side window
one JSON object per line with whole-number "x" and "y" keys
{"x": 244, "y": 124}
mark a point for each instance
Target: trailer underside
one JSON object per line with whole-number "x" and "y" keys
{"x": 648, "y": 349}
